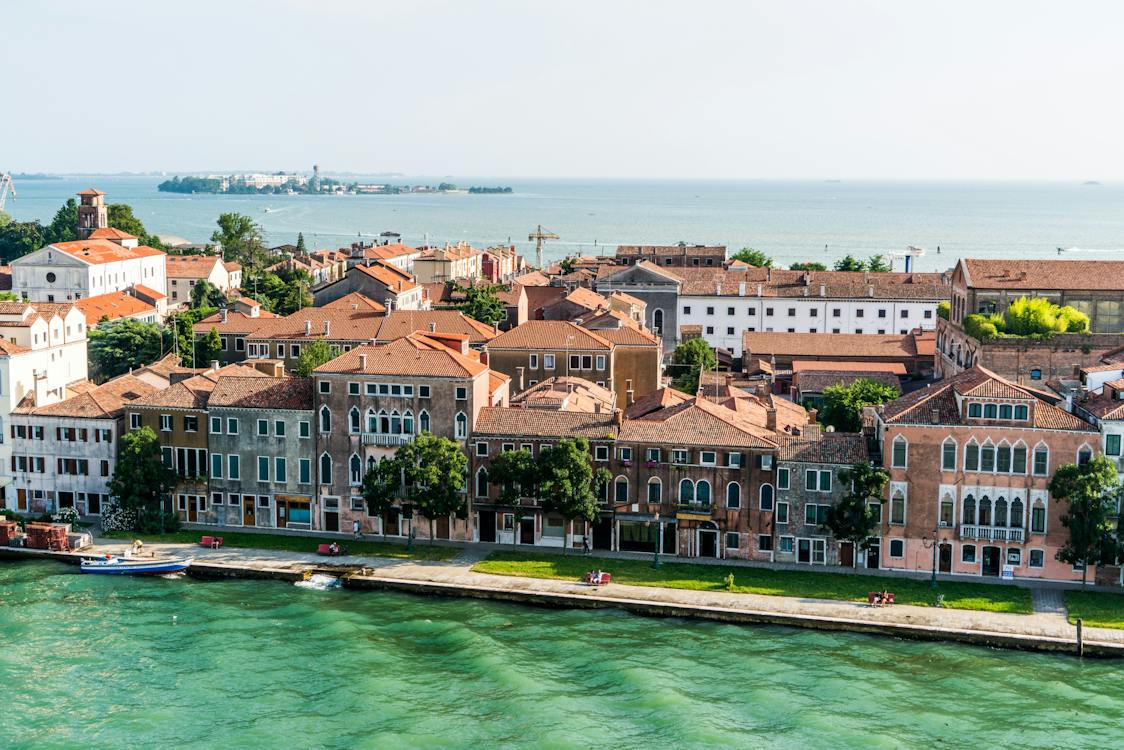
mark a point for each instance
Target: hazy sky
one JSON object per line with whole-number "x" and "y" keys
{"x": 623, "y": 89}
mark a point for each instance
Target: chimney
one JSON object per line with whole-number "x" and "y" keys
{"x": 759, "y": 289}
{"x": 762, "y": 391}
{"x": 771, "y": 419}
{"x": 812, "y": 414}
{"x": 618, "y": 418}
{"x": 596, "y": 407}
{"x": 327, "y": 328}
{"x": 805, "y": 291}
{"x": 224, "y": 315}
{"x": 807, "y": 278}
{"x": 308, "y": 328}
{"x": 935, "y": 416}
{"x": 769, "y": 273}
{"x": 214, "y": 364}
{"x": 741, "y": 288}
{"x": 823, "y": 290}
{"x": 519, "y": 377}
{"x": 631, "y": 397}
{"x": 870, "y": 291}
{"x": 718, "y": 289}
{"x": 433, "y": 327}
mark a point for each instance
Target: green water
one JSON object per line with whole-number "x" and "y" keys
{"x": 96, "y": 662}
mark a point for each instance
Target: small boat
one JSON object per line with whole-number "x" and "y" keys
{"x": 117, "y": 566}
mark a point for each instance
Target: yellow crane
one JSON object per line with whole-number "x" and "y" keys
{"x": 538, "y": 236}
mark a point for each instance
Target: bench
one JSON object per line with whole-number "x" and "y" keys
{"x": 326, "y": 549}
{"x": 876, "y": 598}
{"x": 211, "y": 542}
{"x": 605, "y": 578}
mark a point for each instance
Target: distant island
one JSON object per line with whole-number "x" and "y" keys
{"x": 281, "y": 183}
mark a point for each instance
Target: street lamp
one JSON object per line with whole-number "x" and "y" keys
{"x": 659, "y": 539}
{"x": 934, "y": 544}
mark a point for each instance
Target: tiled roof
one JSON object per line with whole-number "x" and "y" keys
{"x": 112, "y": 306}
{"x": 539, "y": 297}
{"x": 10, "y": 347}
{"x": 449, "y": 252}
{"x": 149, "y": 292}
{"x": 658, "y": 399}
{"x": 104, "y": 401}
{"x": 812, "y": 344}
{"x": 533, "y": 278}
{"x": 626, "y": 251}
{"x": 1103, "y": 406}
{"x": 415, "y": 354}
{"x": 355, "y": 301}
{"x": 392, "y": 278}
{"x": 1018, "y": 274}
{"x": 263, "y": 393}
{"x": 628, "y": 299}
{"x": 510, "y": 296}
{"x": 342, "y": 325}
{"x": 194, "y": 392}
{"x": 628, "y": 336}
{"x": 550, "y": 334}
{"x": 823, "y": 448}
{"x": 404, "y": 322}
{"x": 809, "y": 365}
{"x": 103, "y": 251}
{"x": 586, "y": 298}
{"x": 236, "y": 322}
{"x": 566, "y": 394}
{"x": 191, "y": 266}
{"x": 696, "y": 422}
{"x": 815, "y": 381}
{"x": 91, "y": 191}
{"x": 385, "y": 252}
{"x": 109, "y": 233}
{"x": 542, "y": 423}
{"x": 231, "y": 266}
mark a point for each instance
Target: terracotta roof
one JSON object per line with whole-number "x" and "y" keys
{"x": 587, "y": 298}
{"x": 355, "y": 301}
{"x": 415, "y": 354}
{"x": 978, "y": 382}
{"x": 628, "y": 336}
{"x": 109, "y": 233}
{"x": 1018, "y": 274}
{"x": 263, "y": 393}
{"x": 386, "y": 252}
{"x": 1103, "y": 406}
{"x": 194, "y": 392}
{"x": 346, "y": 324}
{"x": 509, "y": 296}
{"x": 759, "y": 343}
{"x": 231, "y": 266}
{"x": 628, "y": 299}
{"x": 236, "y": 322}
{"x": 191, "y": 266}
{"x": 567, "y": 394}
{"x": 113, "y": 306}
{"x": 815, "y": 381}
{"x": 449, "y": 252}
{"x": 104, "y": 401}
{"x": 823, "y": 448}
{"x": 91, "y": 191}
{"x": 103, "y": 251}
{"x": 696, "y": 422}
{"x": 148, "y": 291}
{"x": 392, "y": 278}
{"x": 444, "y": 292}
{"x": 10, "y": 347}
{"x": 534, "y": 278}
{"x": 809, "y": 365}
{"x": 662, "y": 250}
{"x": 654, "y": 401}
{"x": 542, "y": 423}
{"x": 401, "y": 323}
{"x": 496, "y": 380}
{"x": 550, "y": 334}
{"x": 539, "y": 297}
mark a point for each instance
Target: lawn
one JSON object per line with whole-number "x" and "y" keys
{"x": 422, "y": 551}
{"x": 805, "y": 584}
{"x": 1096, "y": 609}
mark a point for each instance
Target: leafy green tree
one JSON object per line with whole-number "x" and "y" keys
{"x": 115, "y": 347}
{"x": 878, "y": 264}
{"x": 382, "y": 487}
{"x": 852, "y": 519}
{"x": 434, "y": 470}
{"x": 209, "y": 348}
{"x": 944, "y": 309}
{"x": 140, "y": 480}
{"x": 120, "y": 216}
{"x": 567, "y": 480}
{"x": 4, "y": 218}
{"x": 691, "y": 358}
{"x": 18, "y": 238}
{"x": 1028, "y": 316}
{"x": 301, "y": 249}
{"x": 64, "y": 227}
{"x": 240, "y": 237}
{"x": 179, "y": 335}
{"x": 206, "y": 294}
{"x": 1092, "y": 490}
{"x": 808, "y": 266}
{"x": 843, "y": 404}
{"x": 8, "y": 297}
{"x": 481, "y": 303}
{"x": 312, "y": 356}
{"x": 516, "y": 473}
{"x": 294, "y": 293}
{"x": 850, "y": 263}
{"x": 753, "y": 257}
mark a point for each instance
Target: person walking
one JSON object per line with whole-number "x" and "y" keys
{"x": 585, "y": 544}
{"x": 355, "y": 529}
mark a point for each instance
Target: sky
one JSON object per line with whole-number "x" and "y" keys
{"x": 740, "y": 90}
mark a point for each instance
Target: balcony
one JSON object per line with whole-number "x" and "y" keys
{"x": 993, "y": 533}
{"x": 385, "y": 438}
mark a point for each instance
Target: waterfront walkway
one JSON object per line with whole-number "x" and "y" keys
{"x": 1046, "y": 629}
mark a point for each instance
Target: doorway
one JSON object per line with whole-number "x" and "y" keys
{"x": 442, "y": 527}
{"x": 991, "y": 557}
{"x": 527, "y": 530}
{"x": 603, "y": 533}
{"x": 331, "y": 514}
{"x": 487, "y": 525}
{"x": 247, "y": 510}
{"x": 21, "y": 499}
{"x": 847, "y": 554}
{"x": 803, "y": 550}
{"x": 192, "y": 509}
{"x": 874, "y": 555}
{"x": 390, "y": 523}
{"x": 708, "y": 541}
{"x": 944, "y": 557}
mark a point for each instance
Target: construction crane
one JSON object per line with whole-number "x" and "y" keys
{"x": 538, "y": 236}
{"x": 6, "y": 186}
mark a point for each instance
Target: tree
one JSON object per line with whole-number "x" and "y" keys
{"x": 850, "y": 263}
{"x": 64, "y": 227}
{"x": 517, "y": 475}
{"x": 382, "y": 486}
{"x": 4, "y": 218}
{"x": 852, "y": 519}
{"x": 692, "y": 357}
{"x": 115, "y": 347}
{"x": 808, "y": 266}
{"x": 293, "y": 294}
{"x": 180, "y": 338}
{"x": 753, "y": 257}
{"x": 944, "y": 309}
{"x": 120, "y": 216}
{"x": 843, "y": 404}
{"x": 8, "y": 297}
{"x": 206, "y": 294}
{"x": 140, "y": 479}
{"x": 878, "y": 264}
{"x": 209, "y": 348}
{"x": 301, "y": 249}
{"x": 434, "y": 470}
{"x": 312, "y": 356}
{"x": 481, "y": 303}
{"x": 1029, "y": 316}
{"x": 1092, "y": 490}
{"x": 567, "y": 480}
{"x": 240, "y": 237}
{"x": 18, "y": 238}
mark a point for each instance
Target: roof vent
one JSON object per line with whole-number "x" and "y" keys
{"x": 327, "y": 328}
{"x": 363, "y": 362}
{"x": 935, "y": 416}
{"x": 308, "y": 328}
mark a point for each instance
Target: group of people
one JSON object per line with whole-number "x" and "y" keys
{"x": 881, "y": 598}
{"x": 595, "y": 577}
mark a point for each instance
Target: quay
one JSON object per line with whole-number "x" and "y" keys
{"x": 1042, "y": 632}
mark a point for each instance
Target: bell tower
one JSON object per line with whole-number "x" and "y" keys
{"x": 92, "y": 212}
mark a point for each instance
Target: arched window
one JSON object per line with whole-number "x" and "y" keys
{"x": 408, "y": 422}
{"x": 1018, "y": 458}
{"x": 1000, "y": 512}
{"x": 969, "y": 509}
{"x": 423, "y": 421}
{"x": 987, "y": 457}
{"x": 900, "y": 453}
{"x": 371, "y": 463}
{"x": 946, "y": 510}
{"x": 734, "y": 495}
{"x": 481, "y": 482}
{"x": 353, "y": 420}
{"x": 325, "y": 469}
{"x": 655, "y": 490}
{"x": 972, "y": 456}
{"x": 985, "y": 511}
{"x": 686, "y": 491}
{"x": 395, "y": 423}
{"x": 372, "y": 421}
{"x": 384, "y": 422}
{"x": 1016, "y": 513}
{"x": 461, "y": 426}
{"x": 356, "y": 469}
{"x": 1084, "y": 455}
{"x": 620, "y": 490}
{"x": 948, "y": 455}
{"x": 325, "y": 419}
{"x": 765, "y": 496}
{"x": 1041, "y": 466}
{"x": 702, "y": 492}
{"x": 657, "y": 321}
{"x": 1003, "y": 458}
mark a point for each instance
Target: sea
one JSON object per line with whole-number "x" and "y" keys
{"x": 790, "y": 220}
{"x": 116, "y": 662}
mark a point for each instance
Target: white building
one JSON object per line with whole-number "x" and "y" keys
{"x": 185, "y": 271}
{"x": 42, "y": 351}
{"x": 109, "y": 261}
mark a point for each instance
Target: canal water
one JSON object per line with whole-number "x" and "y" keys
{"x": 99, "y": 662}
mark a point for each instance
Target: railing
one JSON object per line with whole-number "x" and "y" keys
{"x": 992, "y": 533}
{"x": 695, "y": 507}
{"x": 384, "y": 438}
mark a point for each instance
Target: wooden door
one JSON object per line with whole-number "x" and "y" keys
{"x": 247, "y": 510}
{"x": 527, "y": 530}
{"x": 487, "y": 523}
{"x": 192, "y": 509}
{"x": 846, "y": 554}
{"x": 21, "y": 499}
{"x": 945, "y": 558}
{"x": 441, "y": 528}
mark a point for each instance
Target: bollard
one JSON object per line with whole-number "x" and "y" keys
{"x": 1080, "y": 643}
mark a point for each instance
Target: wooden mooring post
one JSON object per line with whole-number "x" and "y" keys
{"x": 1080, "y": 643}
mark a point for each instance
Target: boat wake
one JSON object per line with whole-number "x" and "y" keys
{"x": 319, "y": 582}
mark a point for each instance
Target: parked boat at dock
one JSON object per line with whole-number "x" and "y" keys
{"x": 111, "y": 565}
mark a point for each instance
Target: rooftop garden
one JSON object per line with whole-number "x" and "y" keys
{"x": 1027, "y": 317}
